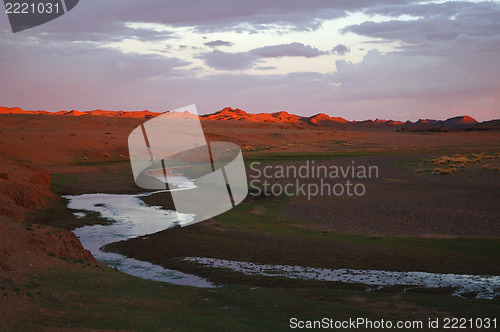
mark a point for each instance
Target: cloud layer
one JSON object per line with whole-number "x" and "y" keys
{"x": 443, "y": 60}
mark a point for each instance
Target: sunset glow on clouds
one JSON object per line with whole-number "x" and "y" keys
{"x": 356, "y": 59}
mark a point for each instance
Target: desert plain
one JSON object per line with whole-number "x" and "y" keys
{"x": 433, "y": 208}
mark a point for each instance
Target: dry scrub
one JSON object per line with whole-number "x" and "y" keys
{"x": 453, "y": 163}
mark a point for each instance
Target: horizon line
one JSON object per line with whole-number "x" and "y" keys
{"x": 40, "y": 111}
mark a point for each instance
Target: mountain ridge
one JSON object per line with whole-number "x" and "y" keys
{"x": 283, "y": 117}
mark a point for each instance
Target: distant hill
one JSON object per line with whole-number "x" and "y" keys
{"x": 463, "y": 122}
{"x": 460, "y": 121}
{"x": 229, "y": 114}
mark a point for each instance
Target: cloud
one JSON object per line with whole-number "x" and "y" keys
{"x": 265, "y": 67}
{"x": 229, "y": 61}
{"x": 382, "y": 85}
{"x": 457, "y": 78}
{"x": 219, "y": 15}
{"x": 60, "y": 78}
{"x": 293, "y": 49}
{"x": 217, "y": 43}
{"x": 447, "y": 61}
{"x": 421, "y": 10}
{"x": 341, "y": 49}
{"x": 244, "y": 60}
{"x": 101, "y": 20}
{"x": 434, "y": 22}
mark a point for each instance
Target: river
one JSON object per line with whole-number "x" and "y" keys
{"x": 132, "y": 217}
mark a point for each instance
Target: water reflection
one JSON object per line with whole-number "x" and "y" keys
{"x": 132, "y": 218}
{"x": 486, "y": 287}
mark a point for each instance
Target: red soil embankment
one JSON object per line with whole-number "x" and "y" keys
{"x": 25, "y": 247}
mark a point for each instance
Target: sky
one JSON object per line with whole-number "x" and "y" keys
{"x": 359, "y": 59}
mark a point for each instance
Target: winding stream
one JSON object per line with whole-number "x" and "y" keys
{"x": 132, "y": 218}
{"x": 486, "y": 287}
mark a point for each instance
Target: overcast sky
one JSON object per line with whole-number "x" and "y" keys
{"x": 359, "y": 59}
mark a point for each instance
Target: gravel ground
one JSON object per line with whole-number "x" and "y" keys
{"x": 406, "y": 203}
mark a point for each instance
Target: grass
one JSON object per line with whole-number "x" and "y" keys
{"x": 444, "y": 171}
{"x": 450, "y": 164}
{"x": 164, "y": 200}
{"x": 300, "y": 156}
{"x": 114, "y": 178}
{"x": 100, "y": 298}
{"x": 56, "y": 214}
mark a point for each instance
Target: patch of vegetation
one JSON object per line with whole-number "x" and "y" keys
{"x": 58, "y": 215}
{"x": 301, "y": 156}
{"x": 450, "y": 164}
{"x": 114, "y": 178}
{"x": 164, "y": 200}
{"x": 108, "y": 299}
